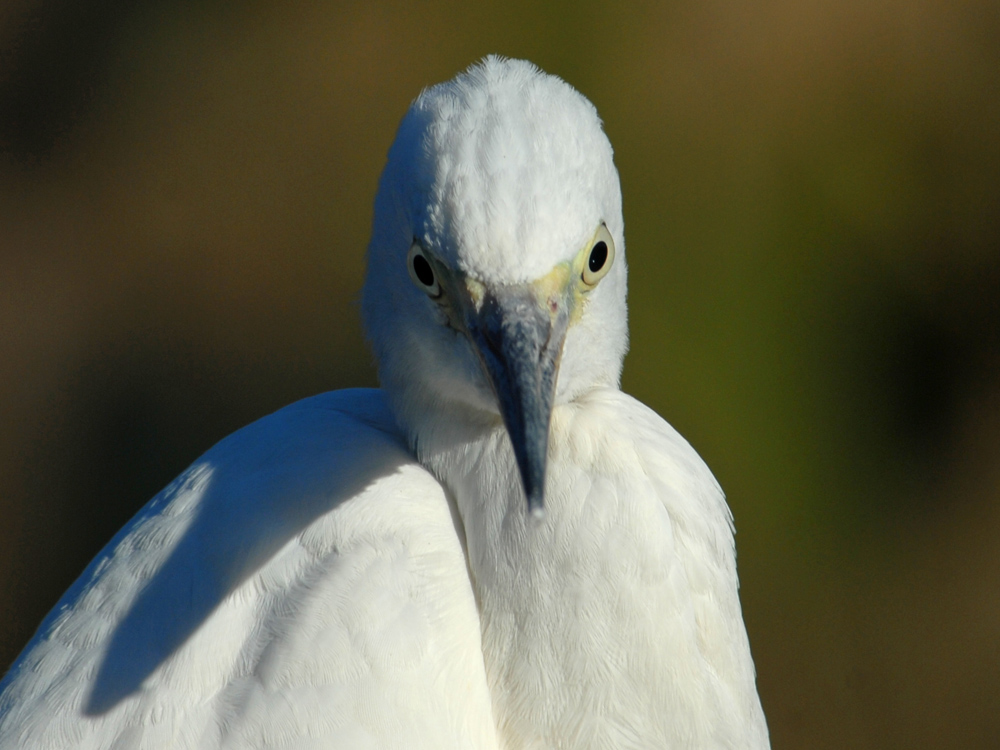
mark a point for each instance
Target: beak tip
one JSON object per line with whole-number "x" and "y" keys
{"x": 536, "y": 507}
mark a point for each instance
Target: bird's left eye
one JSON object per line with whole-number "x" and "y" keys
{"x": 421, "y": 270}
{"x": 601, "y": 257}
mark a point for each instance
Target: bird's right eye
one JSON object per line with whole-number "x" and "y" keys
{"x": 421, "y": 270}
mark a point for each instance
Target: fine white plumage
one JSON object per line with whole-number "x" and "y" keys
{"x": 498, "y": 549}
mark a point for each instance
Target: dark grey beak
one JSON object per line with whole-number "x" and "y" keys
{"x": 520, "y": 338}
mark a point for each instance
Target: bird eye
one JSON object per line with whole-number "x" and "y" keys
{"x": 601, "y": 257}
{"x": 421, "y": 270}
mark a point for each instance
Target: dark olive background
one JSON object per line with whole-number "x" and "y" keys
{"x": 812, "y": 199}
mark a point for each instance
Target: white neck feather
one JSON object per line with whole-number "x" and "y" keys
{"x": 593, "y": 619}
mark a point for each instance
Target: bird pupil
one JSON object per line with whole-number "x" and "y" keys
{"x": 423, "y": 270}
{"x": 598, "y": 256}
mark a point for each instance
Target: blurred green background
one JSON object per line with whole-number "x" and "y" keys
{"x": 812, "y": 200}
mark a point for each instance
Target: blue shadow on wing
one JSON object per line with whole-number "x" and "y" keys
{"x": 268, "y": 482}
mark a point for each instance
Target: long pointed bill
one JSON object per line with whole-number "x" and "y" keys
{"x": 519, "y": 332}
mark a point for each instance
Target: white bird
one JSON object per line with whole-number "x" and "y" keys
{"x": 362, "y": 570}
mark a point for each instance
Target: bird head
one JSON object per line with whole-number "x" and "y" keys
{"x": 496, "y": 271}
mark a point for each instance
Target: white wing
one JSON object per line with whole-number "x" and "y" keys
{"x": 301, "y": 585}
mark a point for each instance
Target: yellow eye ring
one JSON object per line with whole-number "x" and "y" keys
{"x": 422, "y": 271}
{"x": 600, "y": 258}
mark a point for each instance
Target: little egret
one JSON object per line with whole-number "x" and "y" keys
{"x": 497, "y": 549}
